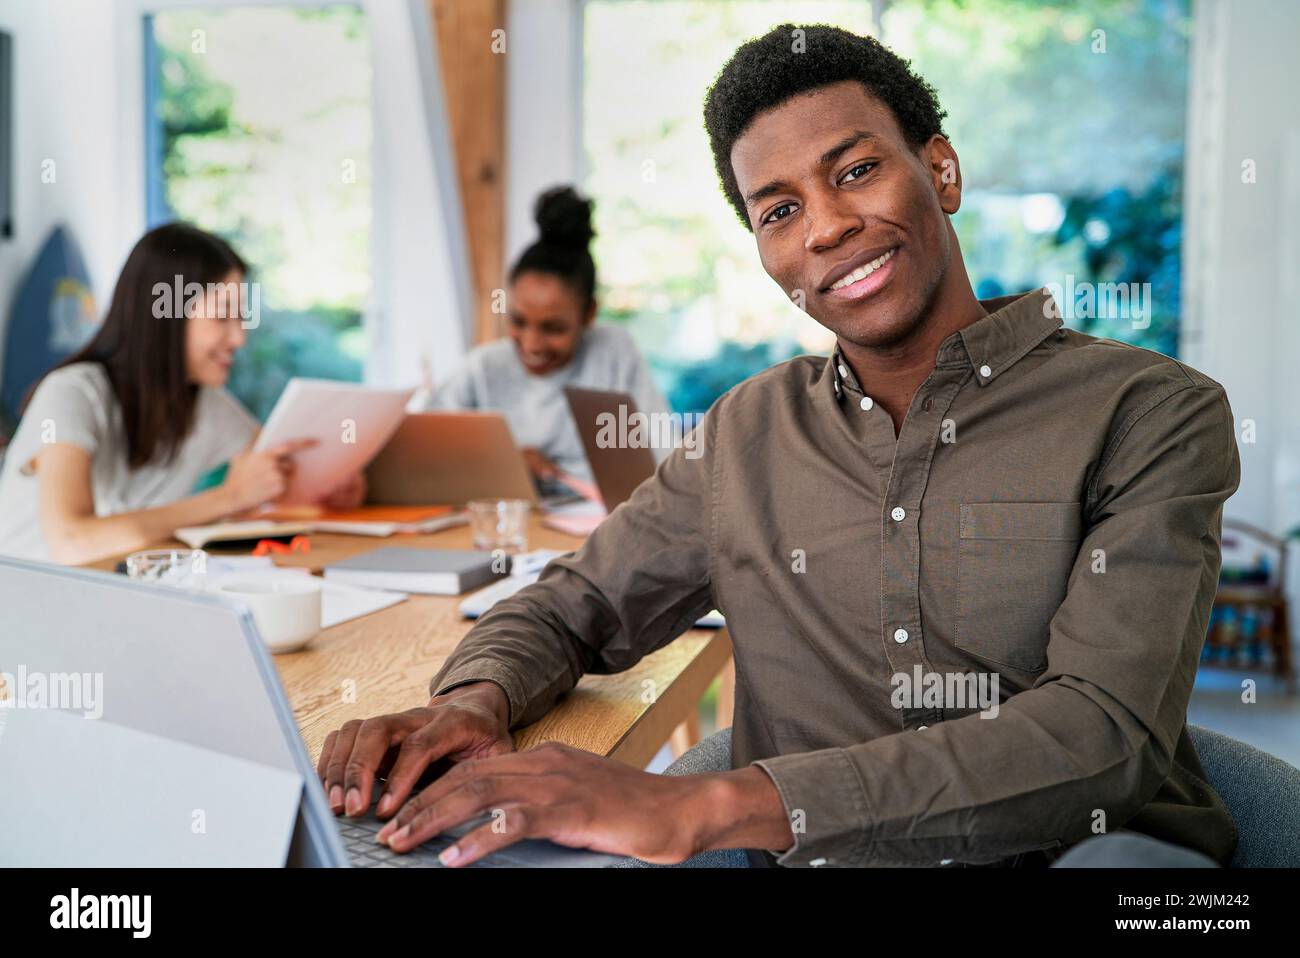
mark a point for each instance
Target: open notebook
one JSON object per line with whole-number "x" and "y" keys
{"x": 379, "y": 521}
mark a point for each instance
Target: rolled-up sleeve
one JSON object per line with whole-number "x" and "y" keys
{"x": 640, "y": 580}
{"x": 1093, "y": 739}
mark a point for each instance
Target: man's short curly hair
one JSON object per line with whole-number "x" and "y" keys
{"x": 765, "y": 72}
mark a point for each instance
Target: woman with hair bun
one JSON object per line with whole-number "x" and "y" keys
{"x": 553, "y": 342}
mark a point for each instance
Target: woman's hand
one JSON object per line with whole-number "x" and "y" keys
{"x": 350, "y": 494}
{"x": 258, "y": 477}
{"x": 539, "y": 465}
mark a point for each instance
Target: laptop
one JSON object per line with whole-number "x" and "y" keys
{"x": 451, "y": 458}
{"x": 146, "y": 726}
{"x": 616, "y": 469}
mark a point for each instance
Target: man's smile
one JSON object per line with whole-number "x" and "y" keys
{"x": 860, "y": 277}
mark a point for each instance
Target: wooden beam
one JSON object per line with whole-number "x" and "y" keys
{"x": 472, "y": 47}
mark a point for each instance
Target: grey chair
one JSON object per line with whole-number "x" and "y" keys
{"x": 713, "y": 754}
{"x": 1262, "y": 793}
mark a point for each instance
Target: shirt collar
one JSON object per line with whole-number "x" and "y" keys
{"x": 1014, "y": 325}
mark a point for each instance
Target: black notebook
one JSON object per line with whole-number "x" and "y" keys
{"x": 428, "y": 571}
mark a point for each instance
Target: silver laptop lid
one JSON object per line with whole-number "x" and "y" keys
{"x": 146, "y": 726}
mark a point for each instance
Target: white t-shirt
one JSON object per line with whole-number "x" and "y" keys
{"x": 76, "y": 405}
{"x": 494, "y": 378}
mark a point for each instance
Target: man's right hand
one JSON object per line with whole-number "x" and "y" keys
{"x": 470, "y": 721}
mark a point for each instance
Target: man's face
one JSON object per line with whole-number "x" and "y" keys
{"x": 834, "y": 192}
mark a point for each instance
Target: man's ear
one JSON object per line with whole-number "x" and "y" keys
{"x": 945, "y": 171}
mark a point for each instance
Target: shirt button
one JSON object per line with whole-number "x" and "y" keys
{"x": 844, "y": 372}
{"x": 866, "y": 402}
{"x": 922, "y": 728}
{"x": 900, "y": 636}
{"x": 817, "y": 862}
{"x": 945, "y": 861}
{"x": 898, "y": 514}
{"x": 928, "y": 404}
{"x": 985, "y": 371}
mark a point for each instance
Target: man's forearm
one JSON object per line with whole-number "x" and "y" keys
{"x": 488, "y": 692}
{"x": 740, "y": 809}
{"x": 528, "y": 644}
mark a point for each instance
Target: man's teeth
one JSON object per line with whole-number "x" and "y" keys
{"x": 862, "y": 272}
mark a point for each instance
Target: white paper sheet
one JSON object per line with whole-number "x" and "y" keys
{"x": 351, "y": 423}
{"x": 338, "y": 602}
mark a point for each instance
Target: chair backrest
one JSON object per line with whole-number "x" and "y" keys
{"x": 1262, "y": 793}
{"x": 1238, "y": 535}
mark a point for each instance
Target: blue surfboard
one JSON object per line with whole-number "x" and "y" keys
{"x": 53, "y": 316}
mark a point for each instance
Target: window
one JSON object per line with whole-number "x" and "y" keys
{"x": 259, "y": 130}
{"x": 1070, "y": 140}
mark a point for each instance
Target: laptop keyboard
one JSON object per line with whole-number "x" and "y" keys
{"x": 364, "y": 852}
{"x": 358, "y": 836}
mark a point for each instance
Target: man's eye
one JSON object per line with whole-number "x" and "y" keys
{"x": 850, "y": 175}
{"x": 773, "y": 216}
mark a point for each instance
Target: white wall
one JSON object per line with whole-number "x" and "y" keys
{"x": 420, "y": 316}
{"x": 65, "y": 111}
{"x": 1241, "y": 259}
{"x": 543, "y": 109}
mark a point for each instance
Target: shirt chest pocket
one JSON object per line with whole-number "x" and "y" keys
{"x": 1013, "y": 564}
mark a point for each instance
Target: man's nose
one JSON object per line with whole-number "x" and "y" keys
{"x": 828, "y": 222}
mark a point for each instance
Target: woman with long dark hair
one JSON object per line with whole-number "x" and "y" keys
{"x": 553, "y": 341}
{"x": 114, "y": 439}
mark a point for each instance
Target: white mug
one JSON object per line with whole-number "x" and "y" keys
{"x": 285, "y": 608}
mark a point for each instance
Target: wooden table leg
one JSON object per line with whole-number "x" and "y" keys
{"x": 685, "y": 735}
{"x": 727, "y": 695}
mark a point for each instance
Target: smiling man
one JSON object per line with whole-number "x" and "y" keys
{"x": 964, "y": 488}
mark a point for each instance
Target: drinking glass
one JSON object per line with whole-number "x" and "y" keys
{"x": 500, "y": 524}
{"x": 179, "y": 568}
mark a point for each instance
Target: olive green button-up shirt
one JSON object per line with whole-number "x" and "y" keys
{"x": 1043, "y": 531}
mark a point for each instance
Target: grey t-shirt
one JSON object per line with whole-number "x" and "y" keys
{"x": 76, "y": 405}
{"x": 534, "y": 406}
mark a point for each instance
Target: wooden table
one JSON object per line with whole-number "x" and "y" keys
{"x": 383, "y": 662}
